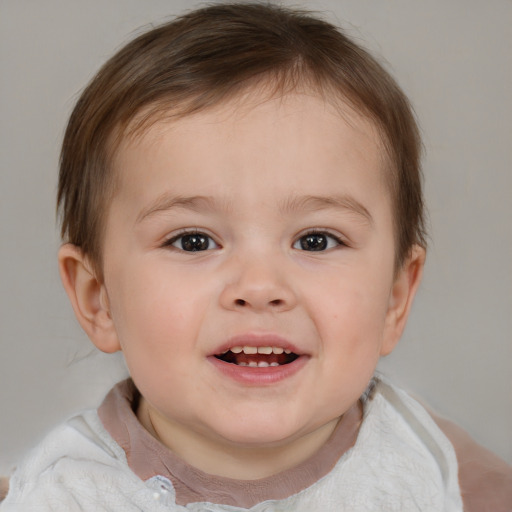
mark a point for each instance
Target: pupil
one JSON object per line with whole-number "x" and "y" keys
{"x": 194, "y": 243}
{"x": 313, "y": 243}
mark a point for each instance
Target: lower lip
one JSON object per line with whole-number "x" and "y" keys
{"x": 256, "y": 376}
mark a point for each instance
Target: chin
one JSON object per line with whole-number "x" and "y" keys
{"x": 261, "y": 431}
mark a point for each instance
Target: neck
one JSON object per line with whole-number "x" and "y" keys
{"x": 229, "y": 460}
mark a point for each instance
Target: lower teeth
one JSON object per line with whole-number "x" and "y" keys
{"x": 260, "y": 364}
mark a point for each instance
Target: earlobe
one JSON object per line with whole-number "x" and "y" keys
{"x": 88, "y": 297}
{"x": 402, "y": 294}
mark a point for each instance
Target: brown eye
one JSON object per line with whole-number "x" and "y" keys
{"x": 193, "y": 242}
{"x": 313, "y": 243}
{"x": 320, "y": 241}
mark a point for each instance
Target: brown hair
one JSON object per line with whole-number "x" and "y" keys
{"x": 210, "y": 55}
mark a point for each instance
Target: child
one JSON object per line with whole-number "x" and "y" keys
{"x": 242, "y": 209}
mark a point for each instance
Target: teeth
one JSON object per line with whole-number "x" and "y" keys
{"x": 258, "y": 364}
{"x": 258, "y": 350}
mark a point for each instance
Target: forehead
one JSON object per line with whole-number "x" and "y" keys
{"x": 283, "y": 140}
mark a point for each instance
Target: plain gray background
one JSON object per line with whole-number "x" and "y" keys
{"x": 453, "y": 59}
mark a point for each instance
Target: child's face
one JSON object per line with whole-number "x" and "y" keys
{"x": 287, "y": 206}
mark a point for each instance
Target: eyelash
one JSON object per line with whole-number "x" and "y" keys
{"x": 170, "y": 243}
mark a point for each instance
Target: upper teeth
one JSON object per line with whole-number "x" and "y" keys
{"x": 259, "y": 350}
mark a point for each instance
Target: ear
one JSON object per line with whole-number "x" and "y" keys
{"x": 402, "y": 294}
{"x": 88, "y": 298}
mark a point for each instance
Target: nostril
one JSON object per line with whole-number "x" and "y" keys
{"x": 274, "y": 304}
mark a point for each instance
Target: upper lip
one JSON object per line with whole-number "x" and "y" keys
{"x": 257, "y": 340}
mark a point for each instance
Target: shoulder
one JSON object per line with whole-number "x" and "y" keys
{"x": 485, "y": 479}
{"x": 393, "y": 417}
{"x": 77, "y": 458}
{"x": 82, "y": 437}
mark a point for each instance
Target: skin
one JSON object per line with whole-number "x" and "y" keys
{"x": 272, "y": 170}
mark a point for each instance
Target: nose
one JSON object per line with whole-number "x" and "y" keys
{"x": 258, "y": 285}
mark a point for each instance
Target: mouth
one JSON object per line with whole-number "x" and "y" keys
{"x": 257, "y": 357}
{"x": 258, "y": 360}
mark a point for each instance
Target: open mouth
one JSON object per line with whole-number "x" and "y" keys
{"x": 257, "y": 357}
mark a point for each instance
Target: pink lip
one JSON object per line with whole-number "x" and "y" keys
{"x": 256, "y": 376}
{"x": 259, "y": 376}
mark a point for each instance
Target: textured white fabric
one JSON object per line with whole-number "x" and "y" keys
{"x": 401, "y": 462}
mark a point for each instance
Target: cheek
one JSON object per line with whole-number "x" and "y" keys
{"x": 154, "y": 312}
{"x": 352, "y": 314}
{"x": 351, "y": 329}
{"x": 363, "y": 289}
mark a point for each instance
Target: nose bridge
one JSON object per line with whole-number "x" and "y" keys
{"x": 257, "y": 280}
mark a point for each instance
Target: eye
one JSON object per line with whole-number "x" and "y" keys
{"x": 192, "y": 242}
{"x": 317, "y": 241}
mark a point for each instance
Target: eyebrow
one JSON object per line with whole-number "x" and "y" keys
{"x": 318, "y": 203}
{"x": 167, "y": 202}
{"x": 345, "y": 202}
